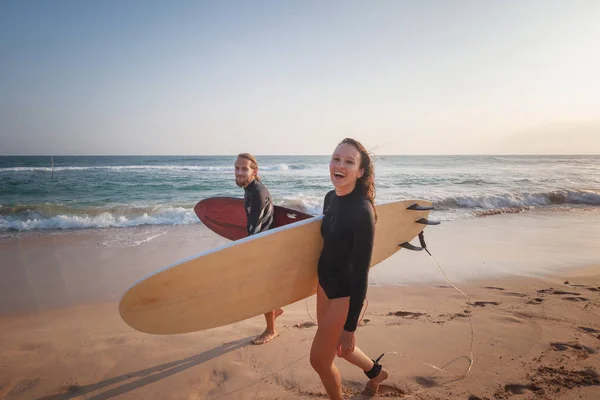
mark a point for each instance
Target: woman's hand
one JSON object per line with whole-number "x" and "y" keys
{"x": 346, "y": 343}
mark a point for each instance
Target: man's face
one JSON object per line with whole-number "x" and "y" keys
{"x": 244, "y": 173}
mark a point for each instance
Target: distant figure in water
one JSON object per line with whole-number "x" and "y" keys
{"x": 348, "y": 231}
{"x": 259, "y": 218}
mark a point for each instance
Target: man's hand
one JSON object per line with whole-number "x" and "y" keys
{"x": 346, "y": 343}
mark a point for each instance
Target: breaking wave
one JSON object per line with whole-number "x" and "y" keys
{"x": 25, "y": 218}
{"x": 129, "y": 168}
{"x": 524, "y": 199}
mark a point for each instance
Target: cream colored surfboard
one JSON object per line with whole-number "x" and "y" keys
{"x": 251, "y": 276}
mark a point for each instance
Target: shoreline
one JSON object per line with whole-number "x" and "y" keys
{"x": 46, "y": 270}
{"x": 442, "y": 214}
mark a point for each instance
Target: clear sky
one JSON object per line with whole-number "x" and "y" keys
{"x": 295, "y": 77}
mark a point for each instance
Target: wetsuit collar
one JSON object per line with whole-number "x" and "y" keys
{"x": 250, "y": 185}
{"x": 355, "y": 192}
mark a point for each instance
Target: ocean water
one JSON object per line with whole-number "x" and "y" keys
{"x": 117, "y": 192}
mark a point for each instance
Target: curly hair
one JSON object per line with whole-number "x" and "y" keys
{"x": 365, "y": 183}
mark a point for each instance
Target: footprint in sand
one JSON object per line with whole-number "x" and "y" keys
{"x": 512, "y": 320}
{"x": 564, "y": 378}
{"x": 506, "y": 293}
{"x": 71, "y": 389}
{"x": 23, "y": 386}
{"x": 515, "y": 388}
{"x": 515, "y": 294}
{"x": 387, "y": 391}
{"x": 554, "y": 291}
{"x": 457, "y": 315}
{"x": 558, "y": 346}
{"x": 575, "y": 298}
{"x": 407, "y": 314}
{"x": 537, "y": 300}
{"x": 443, "y": 318}
{"x": 485, "y": 303}
{"x": 473, "y": 397}
{"x": 306, "y": 324}
{"x": 426, "y": 381}
{"x": 590, "y": 331}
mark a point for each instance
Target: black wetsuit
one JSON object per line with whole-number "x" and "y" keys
{"x": 348, "y": 231}
{"x": 259, "y": 208}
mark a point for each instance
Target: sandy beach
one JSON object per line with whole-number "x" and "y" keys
{"x": 533, "y": 281}
{"x": 118, "y": 118}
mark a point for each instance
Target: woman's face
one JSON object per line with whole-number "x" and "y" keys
{"x": 344, "y": 167}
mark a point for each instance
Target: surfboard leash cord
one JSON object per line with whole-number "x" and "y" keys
{"x": 467, "y": 312}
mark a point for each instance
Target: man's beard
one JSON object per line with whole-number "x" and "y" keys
{"x": 242, "y": 182}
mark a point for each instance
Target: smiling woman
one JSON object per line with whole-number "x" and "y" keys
{"x": 348, "y": 232}
{"x": 344, "y": 168}
{"x": 358, "y": 170}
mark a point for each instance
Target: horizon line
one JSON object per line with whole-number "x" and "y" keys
{"x": 303, "y": 155}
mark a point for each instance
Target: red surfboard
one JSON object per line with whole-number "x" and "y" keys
{"x": 226, "y": 216}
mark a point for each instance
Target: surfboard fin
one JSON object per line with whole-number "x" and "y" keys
{"x": 417, "y": 207}
{"x": 408, "y": 246}
{"x": 425, "y": 221}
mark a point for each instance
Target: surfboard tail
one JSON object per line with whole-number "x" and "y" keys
{"x": 423, "y": 221}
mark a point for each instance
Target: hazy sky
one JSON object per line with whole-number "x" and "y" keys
{"x": 295, "y": 77}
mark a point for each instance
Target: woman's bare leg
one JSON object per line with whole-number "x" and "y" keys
{"x": 362, "y": 361}
{"x": 322, "y": 302}
{"x": 331, "y": 315}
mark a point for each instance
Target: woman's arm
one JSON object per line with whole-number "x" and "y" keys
{"x": 363, "y": 234}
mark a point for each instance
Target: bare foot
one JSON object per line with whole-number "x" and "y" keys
{"x": 265, "y": 337}
{"x": 269, "y": 334}
{"x": 373, "y": 384}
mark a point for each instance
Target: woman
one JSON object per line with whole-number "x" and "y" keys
{"x": 348, "y": 231}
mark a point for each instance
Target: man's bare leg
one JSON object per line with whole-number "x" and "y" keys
{"x": 270, "y": 333}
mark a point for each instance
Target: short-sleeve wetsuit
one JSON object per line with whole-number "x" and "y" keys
{"x": 259, "y": 208}
{"x": 348, "y": 231}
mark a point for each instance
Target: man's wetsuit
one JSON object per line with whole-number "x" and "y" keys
{"x": 259, "y": 207}
{"x": 348, "y": 230}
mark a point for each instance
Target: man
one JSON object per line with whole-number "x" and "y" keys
{"x": 259, "y": 218}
